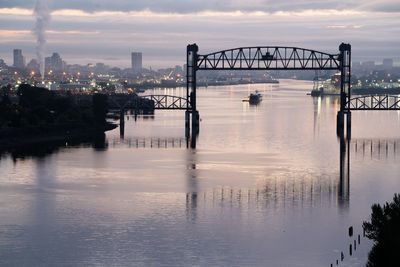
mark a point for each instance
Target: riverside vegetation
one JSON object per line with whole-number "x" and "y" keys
{"x": 41, "y": 115}
{"x": 384, "y": 230}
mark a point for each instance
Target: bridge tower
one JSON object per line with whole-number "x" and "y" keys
{"x": 191, "y": 69}
{"x": 345, "y": 90}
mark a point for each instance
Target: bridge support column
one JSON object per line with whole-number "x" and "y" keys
{"x": 195, "y": 127}
{"x": 348, "y": 124}
{"x": 341, "y": 130}
{"x": 122, "y": 122}
{"x": 340, "y": 123}
{"x": 191, "y": 69}
{"x": 187, "y": 124}
{"x": 196, "y": 122}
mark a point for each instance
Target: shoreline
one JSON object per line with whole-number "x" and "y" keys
{"x": 78, "y": 134}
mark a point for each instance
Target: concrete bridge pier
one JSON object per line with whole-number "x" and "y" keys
{"x": 195, "y": 127}
{"x": 136, "y": 112}
{"x": 343, "y": 117}
{"x": 348, "y": 125}
{"x": 340, "y": 123}
{"x": 122, "y": 122}
{"x": 187, "y": 124}
{"x": 196, "y": 122}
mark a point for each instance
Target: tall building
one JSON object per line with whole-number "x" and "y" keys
{"x": 33, "y": 66}
{"x": 18, "y": 59}
{"x": 54, "y": 63}
{"x": 136, "y": 61}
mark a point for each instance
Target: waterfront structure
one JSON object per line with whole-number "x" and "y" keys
{"x": 136, "y": 60}
{"x": 18, "y": 59}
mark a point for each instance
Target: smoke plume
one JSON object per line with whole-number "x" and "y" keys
{"x": 42, "y": 14}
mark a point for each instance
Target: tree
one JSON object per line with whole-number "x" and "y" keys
{"x": 384, "y": 230}
{"x": 31, "y": 96}
{"x": 100, "y": 108}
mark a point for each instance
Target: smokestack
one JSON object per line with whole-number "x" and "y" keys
{"x": 42, "y": 14}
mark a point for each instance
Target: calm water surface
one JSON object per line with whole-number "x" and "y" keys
{"x": 261, "y": 189}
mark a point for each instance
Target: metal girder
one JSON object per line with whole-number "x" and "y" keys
{"x": 168, "y": 102}
{"x": 374, "y": 102}
{"x": 268, "y": 58}
{"x": 122, "y": 101}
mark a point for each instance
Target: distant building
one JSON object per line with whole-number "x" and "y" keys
{"x": 100, "y": 68}
{"x": 54, "y": 63}
{"x": 136, "y": 58}
{"x": 33, "y": 66}
{"x": 3, "y": 64}
{"x": 356, "y": 64}
{"x": 387, "y": 63}
{"x": 368, "y": 65}
{"x": 18, "y": 59}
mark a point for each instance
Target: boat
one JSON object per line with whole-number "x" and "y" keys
{"x": 255, "y": 98}
{"x": 317, "y": 92}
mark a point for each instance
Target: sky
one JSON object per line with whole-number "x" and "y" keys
{"x": 90, "y": 31}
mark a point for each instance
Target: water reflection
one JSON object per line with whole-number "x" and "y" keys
{"x": 131, "y": 115}
{"x": 40, "y": 150}
{"x": 375, "y": 148}
{"x": 192, "y": 185}
{"x": 149, "y": 142}
{"x": 286, "y": 191}
{"x": 344, "y": 180}
{"x": 300, "y": 190}
{"x": 261, "y": 189}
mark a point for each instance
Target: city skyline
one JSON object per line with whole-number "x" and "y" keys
{"x": 84, "y": 32}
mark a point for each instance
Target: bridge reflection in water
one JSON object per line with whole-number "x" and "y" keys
{"x": 302, "y": 190}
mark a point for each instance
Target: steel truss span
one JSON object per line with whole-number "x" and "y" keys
{"x": 264, "y": 58}
{"x": 372, "y": 102}
{"x": 269, "y": 57}
{"x": 168, "y": 102}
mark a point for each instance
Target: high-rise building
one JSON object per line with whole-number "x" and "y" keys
{"x": 136, "y": 61}
{"x": 18, "y": 59}
{"x": 54, "y": 63}
{"x": 33, "y": 66}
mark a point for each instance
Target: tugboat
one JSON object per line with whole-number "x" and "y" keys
{"x": 317, "y": 92}
{"x": 255, "y": 98}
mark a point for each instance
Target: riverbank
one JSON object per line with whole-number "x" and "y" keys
{"x": 375, "y": 91}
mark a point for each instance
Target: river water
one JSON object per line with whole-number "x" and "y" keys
{"x": 262, "y": 188}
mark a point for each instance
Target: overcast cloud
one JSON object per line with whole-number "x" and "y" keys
{"x": 84, "y": 31}
{"x": 189, "y": 6}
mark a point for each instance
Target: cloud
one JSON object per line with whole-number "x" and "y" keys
{"x": 194, "y": 6}
{"x": 208, "y": 13}
{"x": 344, "y": 26}
{"x": 90, "y": 31}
